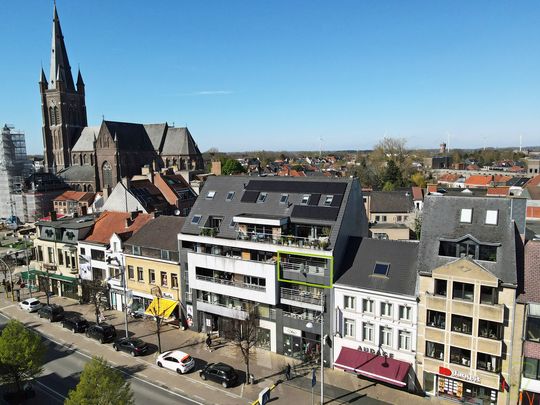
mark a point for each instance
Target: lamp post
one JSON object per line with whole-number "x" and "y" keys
{"x": 124, "y": 298}
{"x": 310, "y": 325}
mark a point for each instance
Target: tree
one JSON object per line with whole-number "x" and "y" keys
{"x": 392, "y": 174}
{"x": 100, "y": 384}
{"x": 21, "y": 354}
{"x": 231, "y": 166}
{"x": 95, "y": 292}
{"x": 419, "y": 179}
{"x": 244, "y": 335}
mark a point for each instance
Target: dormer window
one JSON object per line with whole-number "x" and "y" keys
{"x": 466, "y": 215}
{"x": 262, "y": 197}
{"x": 196, "y": 219}
{"x": 492, "y": 217}
{"x": 230, "y": 195}
{"x": 328, "y": 200}
{"x": 210, "y": 195}
{"x": 284, "y": 198}
{"x": 381, "y": 269}
{"x": 305, "y": 199}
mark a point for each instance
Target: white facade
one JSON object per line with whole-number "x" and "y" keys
{"x": 377, "y": 322}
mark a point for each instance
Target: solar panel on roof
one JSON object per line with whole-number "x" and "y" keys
{"x": 311, "y": 187}
{"x": 250, "y": 196}
{"x": 315, "y": 212}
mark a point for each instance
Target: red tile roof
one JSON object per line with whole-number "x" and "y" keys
{"x": 501, "y": 178}
{"x": 448, "y": 177}
{"x": 498, "y": 191}
{"x": 417, "y": 193}
{"x": 432, "y": 188}
{"x": 534, "y": 182}
{"x": 75, "y": 196}
{"x": 115, "y": 222}
{"x": 533, "y": 212}
{"x": 478, "y": 180}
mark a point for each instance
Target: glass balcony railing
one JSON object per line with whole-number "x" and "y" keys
{"x": 301, "y": 296}
{"x": 231, "y": 283}
{"x": 321, "y": 243}
{"x": 306, "y": 268}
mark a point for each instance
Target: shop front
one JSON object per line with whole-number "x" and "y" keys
{"x": 300, "y": 344}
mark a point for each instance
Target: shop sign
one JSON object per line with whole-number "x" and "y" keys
{"x": 373, "y": 351}
{"x": 458, "y": 374}
{"x": 291, "y": 331}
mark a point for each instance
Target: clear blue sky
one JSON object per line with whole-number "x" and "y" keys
{"x": 279, "y": 75}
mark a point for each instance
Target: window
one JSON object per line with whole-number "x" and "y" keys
{"x": 210, "y": 195}
{"x": 165, "y": 255}
{"x": 533, "y": 329}
{"x": 230, "y": 195}
{"x": 435, "y": 350}
{"x": 60, "y": 258}
{"x": 404, "y": 340}
{"x": 368, "y": 332}
{"x": 232, "y": 223}
{"x": 463, "y": 291}
{"x": 174, "y": 280}
{"x": 386, "y": 309}
{"x": 305, "y": 199}
{"x": 367, "y": 306}
{"x": 381, "y": 269}
{"x": 152, "y": 276}
{"x": 405, "y": 313}
{"x": 196, "y": 219}
{"x": 349, "y": 302}
{"x": 462, "y": 324}
{"x": 328, "y": 200}
{"x": 262, "y": 197}
{"x": 488, "y": 362}
{"x": 255, "y": 281}
{"x": 491, "y": 217}
{"x": 377, "y": 218}
{"x": 97, "y": 255}
{"x": 488, "y": 295}
{"x": 284, "y": 198}
{"x": 489, "y": 329}
{"x": 436, "y": 319}
{"x": 531, "y": 368}
{"x": 386, "y": 336}
{"x": 136, "y": 250}
{"x": 466, "y": 215}
{"x": 131, "y": 273}
{"x": 460, "y": 356}
{"x": 83, "y": 251}
{"x": 140, "y": 274}
{"x": 349, "y": 328}
{"x": 164, "y": 279}
{"x": 488, "y": 253}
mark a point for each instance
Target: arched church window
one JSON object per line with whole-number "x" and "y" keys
{"x": 57, "y": 115}
{"x": 90, "y": 189}
{"x": 107, "y": 174}
{"x": 80, "y": 159}
{"x": 52, "y": 118}
{"x": 91, "y": 159}
{"x": 85, "y": 159}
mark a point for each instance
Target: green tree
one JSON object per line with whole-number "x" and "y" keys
{"x": 418, "y": 179}
{"x": 21, "y": 354}
{"x": 392, "y": 174}
{"x": 100, "y": 384}
{"x": 231, "y": 166}
{"x": 389, "y": 186}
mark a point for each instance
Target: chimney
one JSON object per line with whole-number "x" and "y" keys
{"x": 216, "y": 168}
{"x": 128, "y": 222}
{"x": 53, "y": 215}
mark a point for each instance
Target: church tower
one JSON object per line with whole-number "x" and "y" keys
{"x": 63, "y": 106}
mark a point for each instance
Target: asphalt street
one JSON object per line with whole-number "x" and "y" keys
{"x": 63, "y": 366}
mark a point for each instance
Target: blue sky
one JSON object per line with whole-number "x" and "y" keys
{"x": 280, "y": 75}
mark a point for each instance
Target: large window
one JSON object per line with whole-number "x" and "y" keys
{"x": 386, "y": 336}
{"x": 488, "y": 362}
{"x": 440, "y": 287}
{"x": 386, "y": 309}
{"x": 404, "y": 340}
{"x": 533, "y": 329}
{"x": 405, "y": 313}
{"x": 97, "y": 255}
{"x": 488, "y": 295}
{"x": 462, "y": 324}
{"x": 367, "y": 306}
{"x": 349, "y": 302}
{"x": 489, "y": 329}
{"x": 436, "y": 319}
{"x": 531, "y": 368}
{"x": 367, "y": 329}
{"x": 460, "y": 356}
{"x": 463, "y": 291}
{"x": 468, "y": 248}
{"x": 349, "y": 328}
{"x": 435, "y": 350}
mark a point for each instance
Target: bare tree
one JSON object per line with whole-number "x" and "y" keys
{"x": 157, "y": 313}
{"x": 95, "y": 292}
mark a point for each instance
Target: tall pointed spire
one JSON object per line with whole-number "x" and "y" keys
{"x": 59, "y": 59}
{"x": 42, "y": 78}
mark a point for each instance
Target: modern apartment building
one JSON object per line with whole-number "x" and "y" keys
{"x": 270, "y": 245}
{"x": 376, "y": 312}
{"x": 469, "y": 266}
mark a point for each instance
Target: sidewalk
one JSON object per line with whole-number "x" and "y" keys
{"x": 267, "y": 367}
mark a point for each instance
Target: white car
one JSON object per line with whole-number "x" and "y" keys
{"x": 176, "y": 360}
{"x": 30, "y": 304}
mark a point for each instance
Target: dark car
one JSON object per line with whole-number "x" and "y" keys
{"x": 103, "y": 333}
{"x": 133, "y": 346}
{"x": 51, "y": 312}
{"x": 221, "y": 373}
{"x": 75, "y": 323}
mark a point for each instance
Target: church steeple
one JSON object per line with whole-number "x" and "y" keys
{"x": 60, "y": 67}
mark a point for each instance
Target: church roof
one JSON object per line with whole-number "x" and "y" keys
{"x": 78, "y": 173}
{"x": 179, "y": 141}
{"x": 130, "y": 136}
{"x": 85, "y": 143}
{"x": 156, "y": 133}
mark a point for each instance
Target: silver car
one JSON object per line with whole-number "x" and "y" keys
{"x": 30, "y": 304}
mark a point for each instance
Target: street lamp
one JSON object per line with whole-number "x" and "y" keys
{"x": 124, "y": 299}
{"x": 310, "y": 325}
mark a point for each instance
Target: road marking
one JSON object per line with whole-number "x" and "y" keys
{"x": 198, "y": 397}
{"x": 47, "y": 388}
{"x": 9, "y": 306}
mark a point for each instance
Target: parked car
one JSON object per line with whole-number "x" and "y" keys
{"x": 30, "y": 304}
{"x": 176, "y": 360}
{"x": 221, "y": 373}
{"x": 75, "y": 323}
{"x": 103, "y": 332}
{"x": 133, "y": 346}
{"x": 51, "y": 312}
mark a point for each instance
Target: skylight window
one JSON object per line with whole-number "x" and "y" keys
{"x": 381, "y": 269}
{"x": 492, "y": 217}
{"x": 328, "y": 199}
{"x": 262, "y": 197}
{"x": 196, "y": 219}
{"x": 466, "y": 215}
{"x": 230, "y": 195}
{"x": 284, "y": 198}
{"x": 305, "y": 199}
{"x": 210, "y": 195}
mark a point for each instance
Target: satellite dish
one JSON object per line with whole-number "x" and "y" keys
{"x": 177, "y": 212}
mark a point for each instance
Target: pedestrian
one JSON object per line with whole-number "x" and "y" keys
{"x": 288, "y": 372}
{"x": 208, "y": 342}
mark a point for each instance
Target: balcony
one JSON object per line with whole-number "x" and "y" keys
{"x": 230, "y": 283}
{"x": 493, "y": 312}
{"x": 209, "y": 231}
{"x": 436, "y": 302}
{"x": 223, "y": 309}
{"x": 321, "y": 243}
{"x": 295, "y": 297}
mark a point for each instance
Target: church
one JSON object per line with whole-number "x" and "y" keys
{"x": 94, "y": 158}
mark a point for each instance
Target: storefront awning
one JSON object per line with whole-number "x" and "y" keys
{"x": 161, "y": 307}
{"x": 373, "y": 366}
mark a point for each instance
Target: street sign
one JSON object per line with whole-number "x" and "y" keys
{"x": 264, "y": 396}
{"x": 313, "y": 378}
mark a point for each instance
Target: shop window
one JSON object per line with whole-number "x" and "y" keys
{"x": 531, "y": 368}
{"x": 429, "y": 382}
{"x": 462, "y": 324}
{"x": 463, "y": 291}
{"x": 436, "y": 319}
{"x": 460, "y": 356}
{"x": 434, "y": 350}
{"x": 440, "y": 287}
{"x": 487, "y": 362}
{"x": 349, "y": 328}
{"x": 131, "y": 273}
{"x": 488, "y": 295}
{"x": 489, "y": 329}
{"x": 349, "y": 302}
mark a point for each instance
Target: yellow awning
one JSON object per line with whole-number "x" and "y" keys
{"x": 161, "y": 307}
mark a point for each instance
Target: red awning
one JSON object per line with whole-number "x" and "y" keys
{"x": 373, "y": 366}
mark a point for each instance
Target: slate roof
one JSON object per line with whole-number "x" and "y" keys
{"x": 178, "y": 141}
{"x": 156, "y": 134}
{"x": 441, "y": 220}
{"x": 115, "y": 222}
{"x": 391, "y": 201}
{"x": 401, "y": 255}
{"x": 160, "y": 233}
{"x": 517, "y": 181}
{"x": 85, "y": 143}
{"x": 78, "y": 173}
{"x": 246, "y": 191}
{"x": 130, "y": 136}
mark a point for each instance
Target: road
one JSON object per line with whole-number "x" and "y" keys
{"x": 62, "y": 369}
